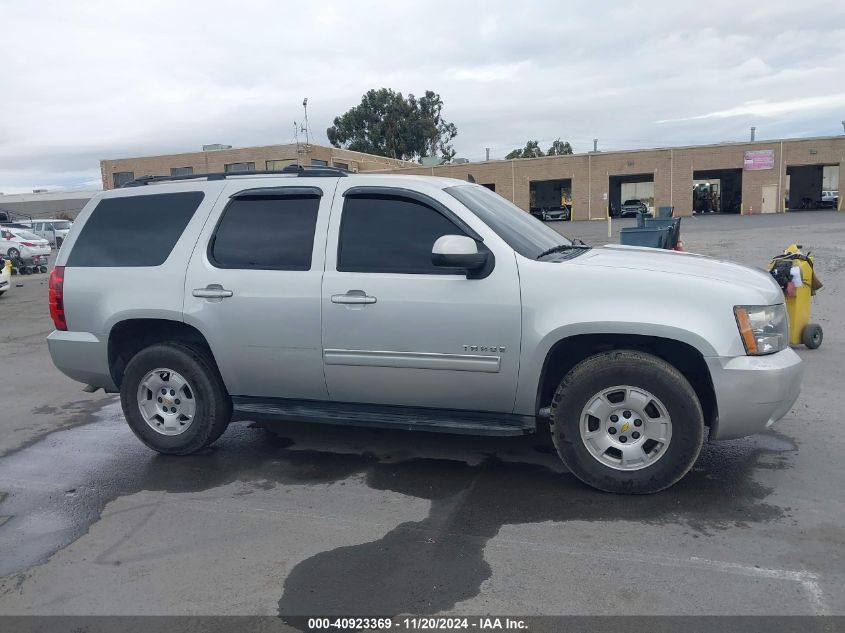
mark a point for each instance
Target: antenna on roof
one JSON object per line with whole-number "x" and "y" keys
{"x": 305, "y": 125}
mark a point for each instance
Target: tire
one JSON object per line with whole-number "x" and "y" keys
{"x": 594, "y": 384}
{"x": 14, "y": 254}
{"x": 212, "y": 406}
{"x": 812, "y": 335}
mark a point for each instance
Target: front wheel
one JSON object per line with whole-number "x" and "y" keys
{"x": 14, "y": 254}
{"x": 174, "y": 399}
{"x": 627, "y": 422}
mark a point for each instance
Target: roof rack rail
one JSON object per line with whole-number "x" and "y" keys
{"x": 302, "y": 171}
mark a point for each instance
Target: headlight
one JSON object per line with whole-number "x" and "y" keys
{"x": 763, "y": 329}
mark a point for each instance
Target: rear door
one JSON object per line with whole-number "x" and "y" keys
{"x": 253, "y": 286}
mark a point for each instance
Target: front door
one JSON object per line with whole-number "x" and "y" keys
{"x": 399, "y": 331}
{"x": 770, "y": 195}
{"x": 253, "y": 288}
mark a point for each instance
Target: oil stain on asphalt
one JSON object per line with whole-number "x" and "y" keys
{"x": 57, "y": 487}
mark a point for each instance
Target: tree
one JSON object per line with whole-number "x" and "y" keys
{"x": 531, "y": 150}
{"x": 559, "y": 148}
{"x": 387, "y": 124}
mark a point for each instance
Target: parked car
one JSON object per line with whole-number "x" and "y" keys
{"x": 630, "y": 209}
{"x": 415, "y": 303}
{"x": 54, "y": 231}
{"x": 5, "y": 275}
{"x": 547, "y": 214}
{"x": 21, "y": 243}
{"x": 829, "y": 200}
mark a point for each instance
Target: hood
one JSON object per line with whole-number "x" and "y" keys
{"x": 677, "y": 263}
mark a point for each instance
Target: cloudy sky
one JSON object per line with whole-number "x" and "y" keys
{"x": 81, "y": 81}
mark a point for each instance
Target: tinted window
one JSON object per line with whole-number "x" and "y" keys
{"x": 266, "y": 233}
{"x": 390, "y": 234}
{"x": 524, "y": 233}
{"x": 135, "y": 230}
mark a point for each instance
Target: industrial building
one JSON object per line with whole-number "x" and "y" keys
{"x": 753, "y": 177}
{"x": 224, "y": 158}
{"x": 43, "y": 204}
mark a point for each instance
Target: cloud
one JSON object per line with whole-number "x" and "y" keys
{"x": 769, "y": 109}
{"x": 94, "y": 79}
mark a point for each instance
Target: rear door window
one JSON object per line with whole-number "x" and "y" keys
{"x": 266, "y": 232}
{"x": 135, "y": 230}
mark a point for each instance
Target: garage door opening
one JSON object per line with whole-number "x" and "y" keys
{"x": 717, "y": 191}
{"x": 811, "y": 187}
{"x": 626, "y": 189}
{"x": 550, "y": 197}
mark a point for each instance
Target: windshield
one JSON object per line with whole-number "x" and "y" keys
{"x": 64, "y": 225}
{"x": 524, "y": 233}
{"x": 26, "y": 235}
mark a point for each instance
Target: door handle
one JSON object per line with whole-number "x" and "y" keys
{"x": 353, "y": 297}
{"x": 212, "y": 291}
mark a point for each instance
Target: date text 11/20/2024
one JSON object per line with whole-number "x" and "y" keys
{"x": 417, "y": 624}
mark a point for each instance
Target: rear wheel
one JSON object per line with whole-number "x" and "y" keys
{"x": 812, "y": 335}
{"x": 627, "y": 421}
{"x": 174, "y": 399}
{"x": 14, "y": 253}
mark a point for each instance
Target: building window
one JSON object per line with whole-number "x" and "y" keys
{"x": 318, "y": 163}
{"x": 181, "y": 171}
{"x": 340, "y": 165}
{"x": 120, "y": 178}
{"x": 279, "y": 165}
{"x": 239, "y": 167}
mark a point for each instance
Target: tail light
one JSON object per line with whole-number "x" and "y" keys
{"x": 57, "y": 297}
{"x": 30, "y": 244}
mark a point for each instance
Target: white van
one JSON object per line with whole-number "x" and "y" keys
{"x": 52, "y": 230}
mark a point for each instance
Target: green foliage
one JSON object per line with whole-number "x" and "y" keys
{"x": 531, "y": 150}
{"x": 559, "y": 148}
{"x": 387, "y": 124}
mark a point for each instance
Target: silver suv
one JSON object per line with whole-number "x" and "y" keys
{"x": 414, "y": 303}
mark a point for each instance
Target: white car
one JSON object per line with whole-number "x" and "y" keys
{"x": 21, "y": 243}
{"x": 5, "y": 275}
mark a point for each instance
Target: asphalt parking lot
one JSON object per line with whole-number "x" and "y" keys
{"x": 291, "y": 519}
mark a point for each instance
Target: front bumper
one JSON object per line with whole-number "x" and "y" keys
{"x": 753, "y": 392}
{"x": 81, "y": 356}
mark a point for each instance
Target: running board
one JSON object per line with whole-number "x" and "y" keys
{"x": 383, "y": 416}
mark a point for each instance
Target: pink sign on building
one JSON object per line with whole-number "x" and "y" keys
{"x": 759, "y": 159}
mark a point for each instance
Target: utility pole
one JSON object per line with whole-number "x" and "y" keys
{"x": 595, "y": 145}
{"x": 753, "y": 133}
{"x": 843, "y": 126}
{"x": 488, "y": 149}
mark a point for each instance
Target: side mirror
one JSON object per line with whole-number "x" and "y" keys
{"x": 459, "y": 252}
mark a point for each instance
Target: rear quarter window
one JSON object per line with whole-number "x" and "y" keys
{"x": 134, "y": 230}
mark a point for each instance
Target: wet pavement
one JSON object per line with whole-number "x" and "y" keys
{"x": 294, "y": 519}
